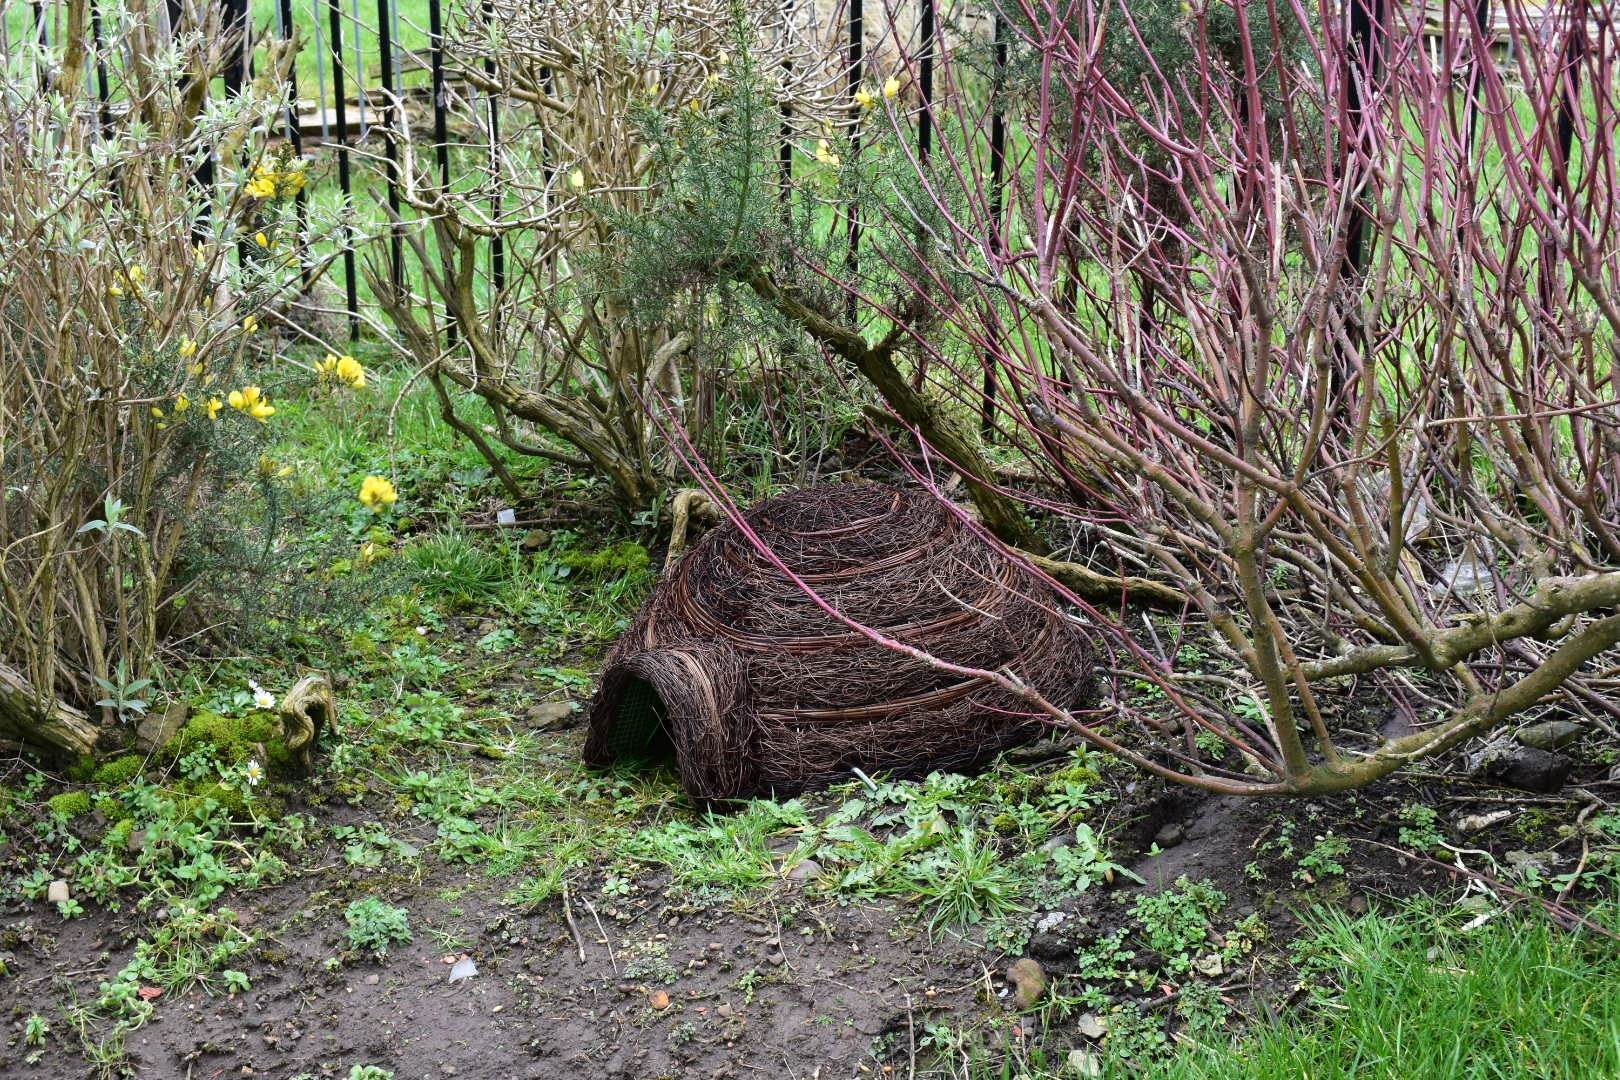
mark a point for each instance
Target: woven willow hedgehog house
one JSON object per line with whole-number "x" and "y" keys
{"x": 752, "y": 689}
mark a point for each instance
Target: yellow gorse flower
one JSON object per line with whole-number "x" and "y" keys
{"x": 132, "y": 279}
{"x": 343, "y": 369}
{"x": 864, "y": 98}
{"x": 188, "y": 347}
{"x": 825, "y": 155}
{"x": 576, "y": 179}
{"x": 891, "y": 87}
{"x": 268, "y": 182}
{"x": 182, "y": 403}
{"x": 249, "y": 324}
{"x": 269, "y": 466}
{"x": 251, "y": 400}
{"x": 213, "y": 406}
{"x": 262, "y": 240}
{"x": 351, "y": 371}
{"x": 377, "y": 492}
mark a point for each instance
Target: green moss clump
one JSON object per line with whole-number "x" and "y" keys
{"x": 626, "y": 559}
{"x": 233, "y": 739}
{"x": 120, "y": 770}
{"x": 69, "y": 804}
{"x": 230, "y": 799}
{"x": 118, "y": 836}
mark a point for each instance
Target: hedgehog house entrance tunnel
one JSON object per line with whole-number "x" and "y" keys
{"x": 752, "y": 689}
{"x": 640, "y": 729}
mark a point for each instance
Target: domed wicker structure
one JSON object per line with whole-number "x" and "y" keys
{"x": 753, "y": 689}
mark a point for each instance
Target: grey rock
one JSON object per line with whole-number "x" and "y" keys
{"x": 1549, "y": 734}
{"x": 1049, "y": 947}
{"x": 807, "y": 870}
{"x": 1083, "y": 1065}
{"x": 1473, "y": 823}
{"x": 464, "y": 969}
{"x": 1061, "y": 840}
{"x": 551, "y": 715}
{"x": 1170, "y": 834}
{"x": 1529, "y": 769}
{"x": 156, "y": 729}
{"x": 1050, "y": 921}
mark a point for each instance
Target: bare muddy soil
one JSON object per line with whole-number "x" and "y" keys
{"x": 659, "y": 983}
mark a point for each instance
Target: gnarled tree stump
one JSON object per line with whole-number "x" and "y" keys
{"x": 307, "y": 710}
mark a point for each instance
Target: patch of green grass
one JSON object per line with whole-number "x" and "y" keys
{"x": 1409, "y": 998}
{"x": 728, "y": 853}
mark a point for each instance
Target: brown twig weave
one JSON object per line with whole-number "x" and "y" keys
{"x": 755, "y": 689}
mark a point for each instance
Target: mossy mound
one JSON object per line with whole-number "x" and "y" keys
{"x": 120, "y": 770}
{"x": 69, "y": 804}
{"x": 624, "y": 559}
{"x": 233, "y": 739}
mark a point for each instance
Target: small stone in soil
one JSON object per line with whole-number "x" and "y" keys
{"x": 549, "y": 715}
{"x": 1050, "y": 921}
{"x": 1170, "y": 834}
{"x": 1028, "y": 981}
{"x": 1549, "y": 734}
{"x": 1083, "y": 1065}
{"x": 1474, "y": 823}
{"x": 659, "y": 1000}
{"x": 807, "y": 870}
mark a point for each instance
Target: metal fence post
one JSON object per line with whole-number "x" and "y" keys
{"x": 103, "y": 89}
{"x": 925, "y": 122}
{"x": 385, "y": 46}
{"x": 350, "y": 286}
{"x": 441, "y": 121}
{"x": 497, "y": 246}
{"x": 785, "y": 153}
{"x": 998, "y": 165}
{"x": 441, "y": 136}
{"x": 857, "y": 73}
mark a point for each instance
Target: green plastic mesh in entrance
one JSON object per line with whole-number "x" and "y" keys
{"x": 639, "y": 733}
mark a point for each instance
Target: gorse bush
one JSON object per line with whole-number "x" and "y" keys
{"x": 137, "y": 394}
{"x": 564, "y": 348}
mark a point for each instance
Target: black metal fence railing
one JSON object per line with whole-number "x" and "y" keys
{"x": 365, "y": 76}
{"x": 351, "y": 85}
